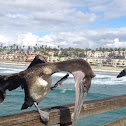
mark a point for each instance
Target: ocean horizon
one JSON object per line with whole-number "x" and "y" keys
{"x": 103, "y": 85}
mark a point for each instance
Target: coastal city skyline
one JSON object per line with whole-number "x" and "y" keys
{"x": 101, "y": 56}
{"x": 66, "y": 51}
{"x": 76, "y": 23}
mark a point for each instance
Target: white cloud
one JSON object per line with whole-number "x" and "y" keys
{"x": 109, "y": 9}
{"x": 55, "y": 15}
{"x": 3, "y": 39}
{"x": 69, "y": 22}
{"x": 45, "y": 40}
{"x": 27, "y": 39}
{"x": 117, "y": 44}
{"x": 88, "y": 38}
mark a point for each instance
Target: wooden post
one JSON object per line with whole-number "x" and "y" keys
{"x": 62, "y": 114}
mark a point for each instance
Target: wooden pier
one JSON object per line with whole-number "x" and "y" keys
{"x": 61, "y": 115}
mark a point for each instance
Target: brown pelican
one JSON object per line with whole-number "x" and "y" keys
{"x": 36, "y": 82}
{"x": 122, "y": 73}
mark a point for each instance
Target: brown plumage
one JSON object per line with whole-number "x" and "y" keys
{"x": 13, "y": 81}
{"x": 36, "y": 82}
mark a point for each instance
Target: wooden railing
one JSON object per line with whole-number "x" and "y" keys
{"x": 120, "y": 122}
{"x": 61, "y": 115}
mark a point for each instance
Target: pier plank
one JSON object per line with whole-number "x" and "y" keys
{"x": 62, "y": 114}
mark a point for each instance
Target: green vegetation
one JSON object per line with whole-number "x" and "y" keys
{"x": 65, "y": 52}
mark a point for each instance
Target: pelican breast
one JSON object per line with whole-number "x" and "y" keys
{"x": 40, "y": 88}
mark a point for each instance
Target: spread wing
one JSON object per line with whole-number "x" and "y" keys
{"x": 122, "y": 73}
{"x": 14, "y": 81}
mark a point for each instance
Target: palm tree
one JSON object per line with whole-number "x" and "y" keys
{"x": 14, "y": 45}
{"x": 11, "y": 48}
{"x": 23, "y": 47}
{"x": 106, "y": 49}
{"x": 58, "y": 48}
{"x": 41, "y": 48}
{"x": 119, "y": 49}
{"x": 17, "y": 48}
{"x": 1, "y": 46}
{"x": 115, "y": 49}
{"x": 4, "y": 48}
{"x": 100, "y": 49}
{"x": 123, "y": 49}
{"x": 35, "y": 48}
{"x": 111, "y": 50}
{"x": 45, "y": 48}
{"x": 29, "y": 48}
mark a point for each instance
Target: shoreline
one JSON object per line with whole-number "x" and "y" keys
{"x": 94, "y": 68}
{"x": 107, "y": 69}
{"x": 20, "y": 63}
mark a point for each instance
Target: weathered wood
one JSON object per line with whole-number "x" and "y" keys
{"x": 62, "y": 114}
{"x": 120, "y": 122}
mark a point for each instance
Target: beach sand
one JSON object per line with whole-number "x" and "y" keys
{"x": 107, "y": 69}
{"x": 15, "y": 63}
{"x": 95, "y": 68}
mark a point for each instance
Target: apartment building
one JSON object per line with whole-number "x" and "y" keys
{"x": 98, "y": 58}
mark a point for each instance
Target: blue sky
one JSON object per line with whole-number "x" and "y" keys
{"x": 67, "y": 23}
{"x": 41, "y": 33}
{"x": 112, "y": 23}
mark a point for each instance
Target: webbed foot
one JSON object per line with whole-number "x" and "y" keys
{"x": 43, "y": 115}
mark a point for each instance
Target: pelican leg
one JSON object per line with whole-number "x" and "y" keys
{"x": 60, "y": 82}
{"x": 44, "y": 115}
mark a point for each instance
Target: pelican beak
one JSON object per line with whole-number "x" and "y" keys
{"x": 82, "y": 85}
{"x": 81, "y": 93}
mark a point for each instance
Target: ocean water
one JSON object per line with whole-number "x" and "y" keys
{"x": 103, "y": 85}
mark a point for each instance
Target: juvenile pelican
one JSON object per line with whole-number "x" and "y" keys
{"x": 122, "y": 73}
{"x": 37, "y": 83}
